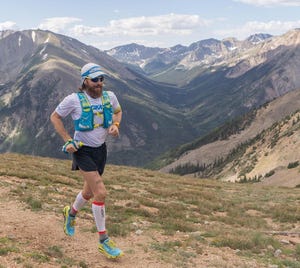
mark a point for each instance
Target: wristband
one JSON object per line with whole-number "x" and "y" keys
{"x": 76, "y": 144}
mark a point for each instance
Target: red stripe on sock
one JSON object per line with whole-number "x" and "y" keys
{"x": 102, "y": 232}
{"x": 98, "y": 203}
{"x": 74, "y": 209}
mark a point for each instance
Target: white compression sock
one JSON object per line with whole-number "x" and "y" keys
{"x": 99, "y": 215}
{"x": 79, "y": 203}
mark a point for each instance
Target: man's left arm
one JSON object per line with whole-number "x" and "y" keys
{"x": 114, "y": 128}
{"x": 117, "y": 117}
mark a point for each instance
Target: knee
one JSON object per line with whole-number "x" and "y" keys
{"x": 100, "y": 195}
{"x": 87, "y": 196}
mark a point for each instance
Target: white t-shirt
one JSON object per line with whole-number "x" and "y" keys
{"x": 71, "y": 105}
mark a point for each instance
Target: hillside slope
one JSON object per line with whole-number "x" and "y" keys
{"x": 159, "y": 220}
{"x": 270, "y": 141}
{"x": 272, "y": 157}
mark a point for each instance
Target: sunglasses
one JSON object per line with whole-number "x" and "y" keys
{"x": 96, "y": 79}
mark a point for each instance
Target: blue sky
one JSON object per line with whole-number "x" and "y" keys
{"x": 162, "y": 23}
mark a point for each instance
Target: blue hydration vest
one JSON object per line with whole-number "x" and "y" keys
{"x": 86, "y": 120}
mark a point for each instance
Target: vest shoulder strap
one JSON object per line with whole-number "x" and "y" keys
{"x": 86, "y": 120}
{"x": 107, "y": 110}
{"x": 105, "y": 98}
{"x": 84, "y": 102}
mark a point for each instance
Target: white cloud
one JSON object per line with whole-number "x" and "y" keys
{"x": 8, "y": 25}
{"x": 146, "y": 26}
{"x": 271, "y": 2}
{"x": 151, "y": 31}
{"x": 58, "y": 24}
{"x": 272, "y": 27}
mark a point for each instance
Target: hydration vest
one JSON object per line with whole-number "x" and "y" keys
{"x": 86, "y": 120}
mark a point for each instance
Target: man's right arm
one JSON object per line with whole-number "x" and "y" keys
{"x": 59, "y": 126}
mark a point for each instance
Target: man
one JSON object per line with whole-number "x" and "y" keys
{"x": 96, "y": 113}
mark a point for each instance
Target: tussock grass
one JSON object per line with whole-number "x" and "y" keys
{"x": 7, "y": 245}
{"x": 187, "y": 214}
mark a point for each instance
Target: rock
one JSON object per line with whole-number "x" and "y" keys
{"x": 277, "y": 252}
{"x": 138, "y": 232}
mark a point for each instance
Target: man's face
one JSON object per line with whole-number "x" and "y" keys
{"x": 94, "y": 86}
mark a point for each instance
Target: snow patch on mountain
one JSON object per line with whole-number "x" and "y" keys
{"x": 33, "y": 36}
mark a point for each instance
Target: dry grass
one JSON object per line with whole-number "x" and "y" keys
{"x": 187, "y": 215}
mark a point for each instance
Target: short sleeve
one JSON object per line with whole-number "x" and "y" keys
{"x": 68, "y": 105}
{"x": 114, "y": 102}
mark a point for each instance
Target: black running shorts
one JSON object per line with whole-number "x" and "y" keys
{"x": 90, "y": 159}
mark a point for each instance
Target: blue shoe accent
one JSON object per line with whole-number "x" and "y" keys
{"x": 69, "y": 222}
{"x": 109, "y": 249}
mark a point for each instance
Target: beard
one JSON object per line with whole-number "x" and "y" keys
{"x": 94, "y": 91}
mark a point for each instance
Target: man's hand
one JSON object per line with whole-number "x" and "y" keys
{"x": 71, "y": 146}
{"x": 113, "y": 130}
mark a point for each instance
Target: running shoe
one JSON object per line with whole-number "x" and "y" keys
{"x": 109, "y": 249}
{"x": 69, "y": 222}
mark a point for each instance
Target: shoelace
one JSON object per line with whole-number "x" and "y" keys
{"x": 110, "y": 244}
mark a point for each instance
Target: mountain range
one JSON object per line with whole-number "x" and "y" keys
{"x": 169, "y": 96}
{"x": 235, "y": 76}
{"x": 156, "y": 62}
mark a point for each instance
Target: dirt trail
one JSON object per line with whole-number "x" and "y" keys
{"x": 39, "y": 231}
{"x": 33, "y": 233}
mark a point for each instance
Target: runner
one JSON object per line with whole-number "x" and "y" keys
{"x": 96, "y": 113}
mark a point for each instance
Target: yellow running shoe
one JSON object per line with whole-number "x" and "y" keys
{"x": 109, "y": 249}
{"x": 69, "y": 221}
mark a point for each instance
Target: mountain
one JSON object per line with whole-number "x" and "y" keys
{"x": 157, "y": 61}
{"x": 5, "y": 33}
{"x": 146, "y": 59}
{"x": 260, "y": 146}
{"x": 223, "y": 79}
{"x": 242, "y": 82}
{"x": 39, "y": 68}
{"x": 133, "y": 53}
{"x": 258, "y": 38}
